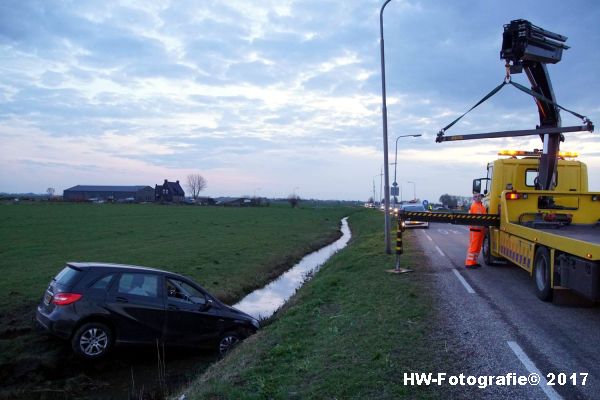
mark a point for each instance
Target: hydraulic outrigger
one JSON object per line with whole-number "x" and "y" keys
{"x": 525, "y": 47}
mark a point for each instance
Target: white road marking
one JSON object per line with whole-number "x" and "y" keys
{"x": 443, "y": 231}
{"x": 440, "y": 251}
{"x": 532, "y": 369}
{"x": 459, "y": 276}
{"x": 464, "y": 282}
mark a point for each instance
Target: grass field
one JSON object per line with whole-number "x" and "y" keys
{"x": 350, "y": 333}
{"x": 230, "y": 251}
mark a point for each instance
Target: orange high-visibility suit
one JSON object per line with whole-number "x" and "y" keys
{"x": 476, "y": 235}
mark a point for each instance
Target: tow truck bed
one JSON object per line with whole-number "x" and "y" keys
{"x": 586, "y": 233}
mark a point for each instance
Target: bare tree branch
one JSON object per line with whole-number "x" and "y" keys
{"x": 196, "y": 183}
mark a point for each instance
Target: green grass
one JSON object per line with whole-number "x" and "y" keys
{"x": 228, "y": 250}
{"x": 350, "y": 333}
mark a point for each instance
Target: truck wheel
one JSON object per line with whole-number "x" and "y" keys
{"x": 487, "y": 251}
{"x": 488, "y": 258}
{"x": 541, "y": 274}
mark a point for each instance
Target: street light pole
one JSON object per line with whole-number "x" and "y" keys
{"x": 374, "y": 196}
{"x": 395, "y": 184}
{"x": 388, "y": 246}
{"x": 374, "y": 193}
{"x": 380, "y": 179}
{"x": 414, "y": 189}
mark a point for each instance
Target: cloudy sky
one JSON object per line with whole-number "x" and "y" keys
{"x": 271, "y": 97}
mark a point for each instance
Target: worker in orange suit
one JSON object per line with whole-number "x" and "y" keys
{"x": 476, "y": 234}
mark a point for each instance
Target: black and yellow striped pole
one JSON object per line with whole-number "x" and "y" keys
{"x": 399, "y": 250}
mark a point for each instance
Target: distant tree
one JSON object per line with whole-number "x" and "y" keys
{"x": 195, "y": 183}
{"x": 371, "y": 200}
{"x": 449, "y": 201}
{"x": 294, "y": 200}
{"x": 50, "y": 191}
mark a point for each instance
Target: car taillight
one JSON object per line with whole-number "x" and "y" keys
{"x": 63, "y": 299}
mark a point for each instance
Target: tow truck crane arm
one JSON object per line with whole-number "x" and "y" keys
{"x": 528, "y": 47}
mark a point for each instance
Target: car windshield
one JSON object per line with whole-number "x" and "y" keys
{"x": 414, "y": 208}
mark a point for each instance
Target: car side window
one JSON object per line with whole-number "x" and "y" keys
{"x": 145, "y": 285}
{"x": 102, "y": 283}
{"x": 182, "y": 292}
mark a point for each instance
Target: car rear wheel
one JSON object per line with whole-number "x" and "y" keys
{"x": 228, "y": 341}
{"x": 92, "y": 340}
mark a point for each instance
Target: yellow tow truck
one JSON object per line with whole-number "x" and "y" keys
{"x": 541, "y": 215}
{"x": 552, "y": 234}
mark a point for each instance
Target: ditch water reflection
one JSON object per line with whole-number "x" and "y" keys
{"x": 263, "y": 303}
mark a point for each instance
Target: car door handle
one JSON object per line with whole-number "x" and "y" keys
{"x": 172, "y": 307}
{"x": 122, "y": 300}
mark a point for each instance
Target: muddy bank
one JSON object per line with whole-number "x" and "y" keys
{"x": 129, "y": 372}
{"x": 36, "y": 365}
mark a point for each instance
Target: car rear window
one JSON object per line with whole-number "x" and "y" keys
{"x": 68, "y": 276}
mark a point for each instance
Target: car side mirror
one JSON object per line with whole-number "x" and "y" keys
{"x": 206, "y": 306}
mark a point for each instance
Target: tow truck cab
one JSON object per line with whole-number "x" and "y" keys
{"x": 519, "y": 174}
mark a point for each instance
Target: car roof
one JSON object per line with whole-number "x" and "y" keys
{"x": 88, "y": 265}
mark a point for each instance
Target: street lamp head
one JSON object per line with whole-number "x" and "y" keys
{"x": 401, "y": 136}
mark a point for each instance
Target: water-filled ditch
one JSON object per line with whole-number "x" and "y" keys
{"x": 263, "y": 303}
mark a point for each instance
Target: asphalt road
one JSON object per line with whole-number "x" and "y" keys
{"x": 494, "y": 322}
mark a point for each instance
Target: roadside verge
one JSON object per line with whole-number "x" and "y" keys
{"x": 351, "y": 332}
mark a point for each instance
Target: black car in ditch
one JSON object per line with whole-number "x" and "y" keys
{"x": 98, "y": 305}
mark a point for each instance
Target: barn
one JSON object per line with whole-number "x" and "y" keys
{"x": 138, "y": 193}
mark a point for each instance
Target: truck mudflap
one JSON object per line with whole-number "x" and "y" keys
{"x": 580, "y": 275}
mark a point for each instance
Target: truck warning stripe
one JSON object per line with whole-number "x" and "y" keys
{"x": 453, "y": 218}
